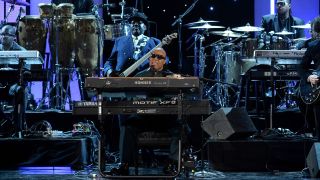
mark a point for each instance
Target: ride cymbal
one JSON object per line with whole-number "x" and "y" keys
{"x": 227, "y": 33}
{"x": 248, "y": 28}
{"x": 284, "y": 33}
{"x": 305, "y": 26}
{"x": 199, "y": 22}
{"x": 206, "y": 26}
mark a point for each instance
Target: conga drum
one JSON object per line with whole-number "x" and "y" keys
{"x": 32, "y": 33}
{"x": 62, "y": 42}
{"x": 87, "y": 44}
{"x": 65, "y": 10}
{"x": 47, "y": 10}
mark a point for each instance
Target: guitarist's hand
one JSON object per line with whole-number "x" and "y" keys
{"x": 114, "y": 74}
{"x": 168, "y": 38}
{"x": 313, "y": 79}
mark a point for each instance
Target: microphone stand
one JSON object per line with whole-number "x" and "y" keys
{"x": 179, "y": 20}
{"x": 8, "y": 13}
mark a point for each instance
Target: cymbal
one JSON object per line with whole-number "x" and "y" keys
{"x": 206, "y": 26}
{"x": 17, "y": 2}
{"x": 200, "y": 21}
{"x": 248, "y": 28}
{"x": 305, "y": 26}
{"x": 300, "y": 39}
{"x": 228, "y": 33}
{"x": 284, "y": 32}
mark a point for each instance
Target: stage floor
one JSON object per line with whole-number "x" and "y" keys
{"x": 51, "y": 173}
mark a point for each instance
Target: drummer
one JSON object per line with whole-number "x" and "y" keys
{"x": 80, "y": 6}
{"x": 282, "y": 21}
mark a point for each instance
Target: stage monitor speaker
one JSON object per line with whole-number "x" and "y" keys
{"x": 313, "y": 160}
{"x": 229, "y": 123}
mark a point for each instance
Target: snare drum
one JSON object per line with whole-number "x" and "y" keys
{"x": 87, "y": 43}
{"x": 47, "y": 10}
{"x": 65, "y": 10}
{"x": 113, "y": 31}
{"x": 32, "y": 33}
{"x": 248, "y": 48}
{"x": 279, "y": 43}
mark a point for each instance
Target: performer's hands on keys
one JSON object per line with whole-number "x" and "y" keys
{"x": 313, "y": 79}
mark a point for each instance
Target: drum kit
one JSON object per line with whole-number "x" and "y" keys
{"x": 233, "y": 56}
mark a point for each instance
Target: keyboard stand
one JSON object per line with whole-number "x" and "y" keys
{"x": 102, "y": 152}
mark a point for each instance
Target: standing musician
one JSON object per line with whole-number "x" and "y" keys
{"x": 7, "y": 43}
{"x": 131, "y": 125}
{"x": 131, "y": 47}
{"x": 281, "y": 21}
{"x": 80, "y": 6}
{"x": 311, "y": 60}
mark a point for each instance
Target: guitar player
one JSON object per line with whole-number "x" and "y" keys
{"x": 309, "y": 77}
{"x": 128, "y": 49}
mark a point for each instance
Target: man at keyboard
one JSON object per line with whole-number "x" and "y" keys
{"x": 11, "y": 91}
{"x": 132, "y": 125}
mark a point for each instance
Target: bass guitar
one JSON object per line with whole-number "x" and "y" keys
{"x": 165, "y": 41}
{"x": 309, "y": 93}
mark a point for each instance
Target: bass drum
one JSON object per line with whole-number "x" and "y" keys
{"x": 32, "y": 33}
{"x": 87, "y": 44}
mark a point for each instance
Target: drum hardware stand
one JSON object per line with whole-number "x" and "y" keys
{"x": 100, "y": 42}
{"x": 60, "y": 101}
{"x": 58, "y": 85}
{"x": 199, "y": 65}
{"x": 8, "y": 14}
{"x": 179, "y": 21}
{"x": 221, "y": 96}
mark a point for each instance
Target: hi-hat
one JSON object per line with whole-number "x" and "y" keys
{"x": 248, "y": 28}
{"x": 284, "y": 33}
{"x": 206, "y": 26}
{"x": 228, "y": 33}
{"x": 305, "y": 26}
{"x": 199, "y": 22}
{"x": 17, "y": 2}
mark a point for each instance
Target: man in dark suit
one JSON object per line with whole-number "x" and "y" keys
{"x": 309, "y": 68}
{"x": 128, "y": 49}
{"x": 282, "y": 21}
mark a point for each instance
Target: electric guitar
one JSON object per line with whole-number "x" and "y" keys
{"x": 309, "y": 94}
{"x": 165, "y": 41}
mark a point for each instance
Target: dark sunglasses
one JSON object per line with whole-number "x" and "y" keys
{"x": 281, "y": 3}
{"x": 157, "y": 56}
